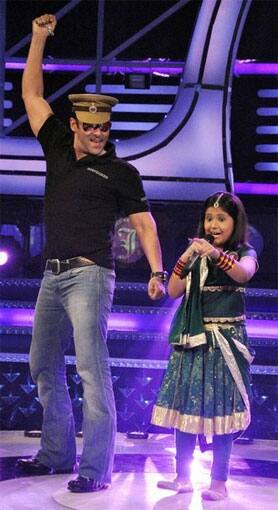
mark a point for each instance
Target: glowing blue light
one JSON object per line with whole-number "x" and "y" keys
{"x": 241, "y": 67}
{"x": 264, "y": 166}
{"x": 267, "y": 130}
{"x": 4, "y": 257}
{"x": 268, "y": 112}
{"x": 267, "y": 148}
{"x": 133, "y": 322}
{"x": 267, "y": 93}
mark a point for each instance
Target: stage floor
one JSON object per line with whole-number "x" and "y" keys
{"x": 139, "y": 464}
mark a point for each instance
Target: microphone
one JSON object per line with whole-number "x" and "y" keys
{"x": 194, "y": 259}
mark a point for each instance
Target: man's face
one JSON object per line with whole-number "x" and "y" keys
{"x": 89, "y": 138}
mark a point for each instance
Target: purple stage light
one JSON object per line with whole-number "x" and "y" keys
{"x": 10, "y": 256}
{"x": 256, "y": 188}
{"x": 81, "y": 67}
{"x": 241, "y": 67}
{"x": 23, "y": 317}
{"x": 262, "y": 328}
{"x": 123, "y": 322}
{"x": 4, "y": 257}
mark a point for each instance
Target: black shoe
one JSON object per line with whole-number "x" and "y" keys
{"x": 34, "y": 467}
{"x": 84, "y": 484}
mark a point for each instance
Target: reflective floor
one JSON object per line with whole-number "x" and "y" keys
{"x": 139, "y": 464}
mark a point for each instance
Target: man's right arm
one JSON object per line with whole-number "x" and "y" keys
{"x": 37, "y": 108}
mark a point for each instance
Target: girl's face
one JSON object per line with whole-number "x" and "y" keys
{"x": 219, "y": 224}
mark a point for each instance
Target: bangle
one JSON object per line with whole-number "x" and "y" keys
{"x": 162, "y": 275}
{"x": 179, "y": 267}
{"x": 225, "y": 262}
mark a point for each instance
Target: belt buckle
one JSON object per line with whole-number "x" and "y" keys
{"x": 57, "y": 261}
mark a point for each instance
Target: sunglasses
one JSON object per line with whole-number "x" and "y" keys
{"x": 92, "y": 127}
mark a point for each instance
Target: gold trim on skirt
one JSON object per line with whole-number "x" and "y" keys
{"x": 170, "y": 418}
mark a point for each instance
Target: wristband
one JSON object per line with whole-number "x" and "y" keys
{"x": 162, "y": 275}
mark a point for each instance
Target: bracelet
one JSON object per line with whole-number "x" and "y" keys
{"x": 49, "y": 30}
{"x": 179, "y": 267}
{"x": 225, "y": 262}
{"x": 162, "y": 275}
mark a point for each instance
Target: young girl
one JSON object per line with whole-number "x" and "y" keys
{"x": 206, "y": 388}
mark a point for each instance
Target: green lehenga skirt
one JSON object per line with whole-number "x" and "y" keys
{"x": 199, "y": 394}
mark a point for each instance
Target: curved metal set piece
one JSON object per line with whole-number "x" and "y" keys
{"x": 187, "y": 156}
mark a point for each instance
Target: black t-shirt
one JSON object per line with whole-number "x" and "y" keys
{"x": 83, "y": 198}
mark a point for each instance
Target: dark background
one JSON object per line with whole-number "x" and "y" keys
{"x": 77, "y": 30}
{"x": 75, "y": 38}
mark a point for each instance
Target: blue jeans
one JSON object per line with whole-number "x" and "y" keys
{"x": 185, "y": 445}
{"x": 77, "y": 300}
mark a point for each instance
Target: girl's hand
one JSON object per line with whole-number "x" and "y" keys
{"x": 202, "y": 248}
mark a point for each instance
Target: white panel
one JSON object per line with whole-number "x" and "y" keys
{"x": 141, "y": 108}
{"x": 8, "y": 86}
{"x": 133, "y": 126}
{"x": 15, "y": 185}
{"x": 266, "y": 167}
{"x": 20, "y": 146}
{"x": 194, "y": 57}
{"x": 267, "y": 111}
{"x": 164, "y": 129}
{"x": 120, "y": 89}
{"x": 22, "y": 165}
{"x": 220, "y": 42}
{"x": 194, "y": 191}
{"x": 267, "y": 148}
{"x": 196, "y": 151}
{"x": 267, "y": 130}
{"x": 267, "y": 93}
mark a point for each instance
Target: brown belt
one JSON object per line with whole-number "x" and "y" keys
{"x": 59, "y": 266}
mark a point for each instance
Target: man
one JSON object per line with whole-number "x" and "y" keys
{"x": 86, "y": 188}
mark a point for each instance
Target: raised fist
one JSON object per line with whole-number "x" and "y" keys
{"x": 44, "y": 25}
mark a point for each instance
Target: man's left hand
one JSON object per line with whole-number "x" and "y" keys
{"x": 156, "y": 288}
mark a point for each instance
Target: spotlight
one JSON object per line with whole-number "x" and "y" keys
{"x": 11, "y": 257}
{"x": 4, "y": 257}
